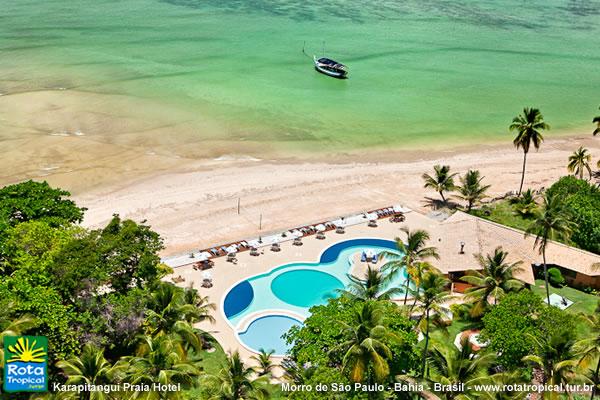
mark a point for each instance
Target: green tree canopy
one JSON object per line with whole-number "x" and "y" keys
{"x": 582, "y": 200}
{"x": 316, "y": 342}
{"x": 514, "y": 325}
{"x": 32, "y": 200}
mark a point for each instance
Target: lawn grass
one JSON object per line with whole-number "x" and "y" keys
{"x": 582, "y": 302}
{"x": 212, "y": 362}
{"x": 502, "y": 212}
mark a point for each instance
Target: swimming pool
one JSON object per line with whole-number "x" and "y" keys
{"x": 262, "y": 308}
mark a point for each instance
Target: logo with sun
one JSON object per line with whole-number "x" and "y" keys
{"x": 25, "y": 364}
{"x": 26, "y": 350}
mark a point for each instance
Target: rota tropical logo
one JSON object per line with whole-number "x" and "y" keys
{"x": 25, "y": 364}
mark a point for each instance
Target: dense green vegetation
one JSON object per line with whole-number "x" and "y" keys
{"x": 582, "y": 200}
{"x": 98, "y": 296}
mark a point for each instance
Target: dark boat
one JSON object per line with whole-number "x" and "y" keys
{"x": 330, "y": 67}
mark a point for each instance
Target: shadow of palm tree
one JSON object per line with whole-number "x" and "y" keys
{"x": 437, "y": 204}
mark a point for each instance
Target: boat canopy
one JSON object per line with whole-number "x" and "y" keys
{"x": 331, "y": 63}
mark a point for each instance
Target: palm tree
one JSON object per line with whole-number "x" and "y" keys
{"x": 450, "y": 366}
{"x": 597, "y": 122}
{"x": 169, "y": 313}
{"x": 160, "y": 360}
{"x": 556, "y": 358}
{"x": 201, "y": 303}
{"x": 579, "y": 161}
{"x": 371, "y": 288}
{"x": 432, "y": 295}
{"x": 442, "y": 181}
{"x": 412, "y": 253}
{"x": 552, "y": 223}
{"x": 265, "y": 364}
{"x": 93, "y": 369}
{"x": 495, "y": 278}
{"x": 526, "y": 205}
{"x": 234, "y": 381}
{"x": 471, "y": 190}
{"x": 529, "y": 127}
{"x": 589, "y": 347}
{"x": 365, "y": 351}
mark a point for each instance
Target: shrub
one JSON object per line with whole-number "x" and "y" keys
{"x": 582, "y": 199}
{"x": 514, "y": 326}
{"x": 555, "y": 277}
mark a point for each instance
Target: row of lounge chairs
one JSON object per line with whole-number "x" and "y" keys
{"x": 319, "y": 230}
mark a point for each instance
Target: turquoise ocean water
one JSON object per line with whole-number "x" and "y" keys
{"x": 426, "y": 72}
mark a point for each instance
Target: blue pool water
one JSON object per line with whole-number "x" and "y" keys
{"x": 265, "y": 333}
{"x": 238, "y": 298}
{"x": 316, "y": 286}
{"x": 269, "y": 304}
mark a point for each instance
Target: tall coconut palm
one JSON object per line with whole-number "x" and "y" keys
{"x": 160, "y": 360}
{"x": 471, "y": 190}
{"x": 529, "y": 126}
{"x": 365, "y": 351}
{"x": 556, "y": 358}
{"x": 265, "y": 363}
{"x": 589, "y": 347}
{"x": 431, "y": 296}
{"x": 441, "y": 181}
{"x": 495, "y": 278}
{"x": 553, "y": 222}
{"x": 449, "y": 365}
{"x": 370, "y": 288}
{"x": 235, "y": 381}
{"x": 411, "y": 254}
{"x": 597, "y": 122}
{"x": 93, "y": 369}
{"x": 579, "y": 161}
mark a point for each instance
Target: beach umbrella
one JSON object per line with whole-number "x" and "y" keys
{"x": 231, "y": 249}
{"x": 201, "y": 257}
{"x": 320, "y": 228}
{"x": 372, "y": 217}
{"x": 207, "y": 275}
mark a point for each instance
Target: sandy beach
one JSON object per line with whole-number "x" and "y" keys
{"x": 198, "y": 207}
{"x": 186, "y": 179}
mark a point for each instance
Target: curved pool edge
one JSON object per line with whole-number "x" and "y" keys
{"x": 258, "y": 318}
{"x": 243, "y": 325}
{"x": 278, "y": 267}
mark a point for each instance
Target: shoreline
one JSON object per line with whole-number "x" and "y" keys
{"x": 86, "y": 141}
{"x": 196, "y": 206}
